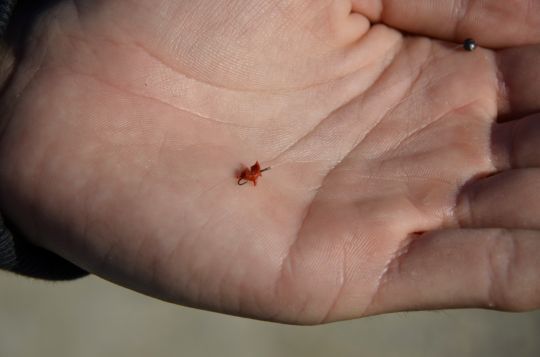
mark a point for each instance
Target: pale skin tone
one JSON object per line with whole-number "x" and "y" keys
{"x": 404, "y": 169}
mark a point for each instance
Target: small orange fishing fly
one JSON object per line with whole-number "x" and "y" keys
{"x": 251, "y": 174}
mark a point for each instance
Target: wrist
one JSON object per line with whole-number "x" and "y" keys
{"x": 18, "y": 254}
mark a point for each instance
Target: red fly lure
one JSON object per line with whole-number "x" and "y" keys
{"x": 251, "y": 174}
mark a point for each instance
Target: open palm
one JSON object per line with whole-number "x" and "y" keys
{"x": 402, "y": 167}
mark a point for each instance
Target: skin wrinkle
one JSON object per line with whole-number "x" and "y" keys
{"x": 221, "y": 285}
{"x": 405, "y": 140}
{"x": 280, "y": 280}
{"x": 492, "y": 280}
{"x": 288, "y": 255}
{"x": 181, "y": 243}
{"x": 274, "y": 91}
{"x": 342, "y": 280}
{"x": 500, "y": 268}
{"x": 103, "y": 260}
{"x": 253, "y": 297}
{"x": 185, "y": 110}
{"x": 461, "y": 11}
{"x": 512, "y": 257}
{"x": 167, "y": 261}
{"x": 234, "y": 308}
{"x": 306, "y": 135}
{"x": 391, "y": 108}
{"x": 74, "y": 39}
{"x": 213, "y": 119}
{"x": 370, "y": 130}
{"x": 465, "y": 207}
{"x": 503, "y": 149}
{"x": 142, "y": 48}
{"x": 399, "y": 254}
{"x": 417, "y": 132}
{"x": 302, "y": 309}
{"x": 156, "y": 260}
{"x": 179, "y": 150}
{"x": 503, "y": 92}
{"x": 318, "y": 124}
{"x": 197, "y": 43}
{"x": 418, "y": 205}
{"x": 147, "y": 169}
{"x": 507, "y": 103}
{"x": 400, "y": 178}
{"x": 299, "y": 233}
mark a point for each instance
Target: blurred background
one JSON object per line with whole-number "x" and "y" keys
{"x": 92, "y": 317}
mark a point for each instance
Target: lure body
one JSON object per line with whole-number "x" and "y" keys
{"x": 251, "y": 174}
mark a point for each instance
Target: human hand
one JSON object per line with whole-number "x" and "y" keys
{"x": 403, "y": 168}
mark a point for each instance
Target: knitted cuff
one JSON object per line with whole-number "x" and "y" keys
{"x": 22, "y": 257}
{"x": 6, "y": 9}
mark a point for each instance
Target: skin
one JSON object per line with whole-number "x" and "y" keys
{"x": 404, "y": 175}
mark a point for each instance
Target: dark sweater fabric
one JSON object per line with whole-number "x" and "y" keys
{"x": 20, "y": 256}
{"x": 17, "y": 254}
{"x": 6, "y": 8}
